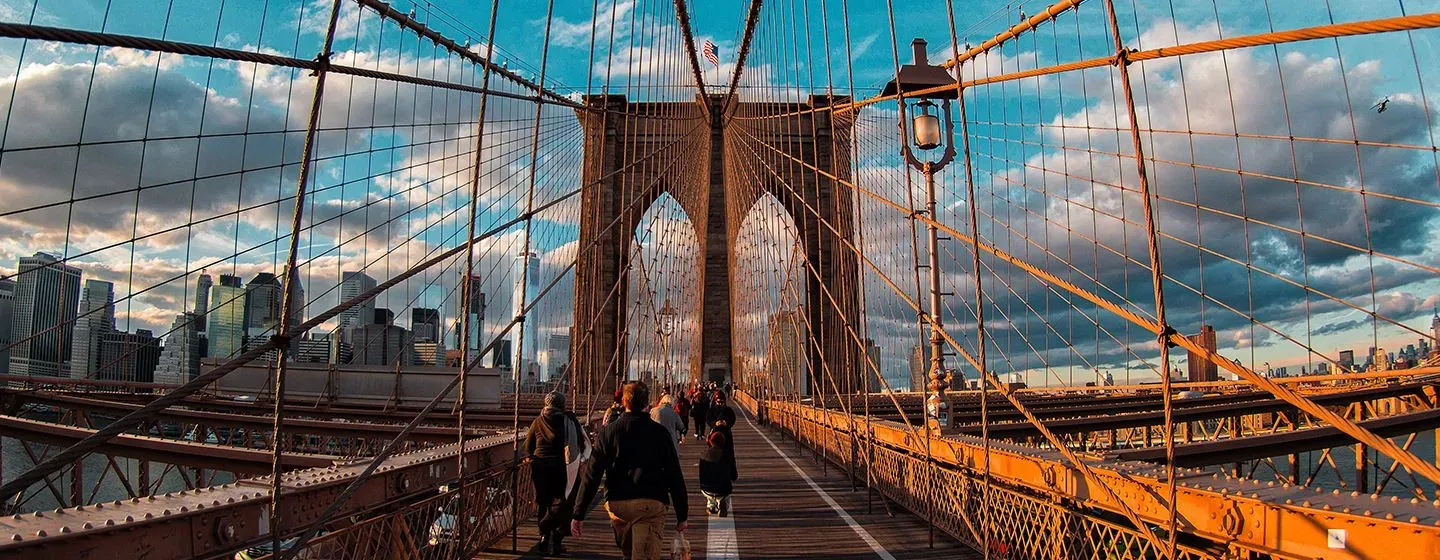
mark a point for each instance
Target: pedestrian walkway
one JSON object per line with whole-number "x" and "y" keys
{"x": 785, "y": 506}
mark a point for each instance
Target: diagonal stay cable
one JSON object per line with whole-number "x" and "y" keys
{"x": 1361, "y": 434}
{"x": 991, "y": 377}
{"x": 390, "y": 447}
{"x": 39, "y": 471}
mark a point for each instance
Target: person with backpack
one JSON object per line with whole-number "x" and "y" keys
{"x": 682, "y": 408}
{"x": 700, "y": 410}
{"x": 718, "y": 473}
{"x": 555, "y": 441}
{"x": 642, "y": 476}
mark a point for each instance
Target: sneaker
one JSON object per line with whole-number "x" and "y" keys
{"x": 712, "y": 510}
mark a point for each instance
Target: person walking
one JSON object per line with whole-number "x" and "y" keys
{"x": 642, "y": 476}
{"x": 556, "y": 440}
{"x": 663, "y": 414}
{"x": 720, "y": 411}
{"x": 682, "y": 408}
{"x": 718, "y": 473}
{"x": 614, "y": 411}
{"x": 700, "y": 410}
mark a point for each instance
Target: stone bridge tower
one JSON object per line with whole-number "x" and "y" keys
{"x": 635, "y": 152}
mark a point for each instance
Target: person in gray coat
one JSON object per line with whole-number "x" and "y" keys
{"x": 663, "y": 413}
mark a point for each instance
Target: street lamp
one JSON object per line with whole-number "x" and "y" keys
{"x": 914, "y": 83}
{"x": 667, "y": 318}
{"x": 667, "y": 328}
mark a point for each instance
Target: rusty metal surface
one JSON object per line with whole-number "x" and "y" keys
{"x": 300, "y": 408}
{"x": 214, "y": 520}
{"x": 1185, "y": 410}
{"x": 301, "y": 425}
{"x": 1271, "y": 445}
{"x": 166, "y": 450}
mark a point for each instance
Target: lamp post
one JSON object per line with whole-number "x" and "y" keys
{"x": 667, "y": 328}
{"x": 931, "y": 128}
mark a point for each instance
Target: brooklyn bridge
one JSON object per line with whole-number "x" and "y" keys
{"x": 991, "y": 279}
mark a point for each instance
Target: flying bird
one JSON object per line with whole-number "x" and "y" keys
{"x": 1381, "y": 105}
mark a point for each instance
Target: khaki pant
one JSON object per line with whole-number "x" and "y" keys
{"x": 639, "y": 527}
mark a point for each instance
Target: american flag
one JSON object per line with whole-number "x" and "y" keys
{"x": 709, "y": 51}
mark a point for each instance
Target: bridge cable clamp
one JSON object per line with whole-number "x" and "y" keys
{"x": 322, "y": 64}
{"x": 1165, "y": 335}
{"x": 1122, "y": 57}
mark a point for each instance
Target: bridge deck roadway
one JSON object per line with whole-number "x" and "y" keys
{"x": 785, "y": 506}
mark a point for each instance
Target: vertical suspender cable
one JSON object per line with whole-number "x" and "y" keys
{"x": 281, "y": 344}
{"x": 1157, "y": 276}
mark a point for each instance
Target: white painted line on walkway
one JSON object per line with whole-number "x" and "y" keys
{"x": 720, "y": 543}
{"x": 864, "y": 535}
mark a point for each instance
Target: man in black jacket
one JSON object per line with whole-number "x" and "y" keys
{"x": 720, "y": 411}
{"x": 555, "y": 439}
{"x": 641, "y": 470}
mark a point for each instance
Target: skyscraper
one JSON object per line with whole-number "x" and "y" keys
{"x": 1435, "y": 326}
{"x": 128, "y": 356}
{"x": 920, "y": 366}
{"x": 43, "y": 315}
{"x": 500, "y": 356}
{"x": 353, "y": 284}
{"x": 263, "y": 300}
{"x": 527, "y": 281}
{"x": 95, "y": 320}
{"x": 1347, "y": 361}
{"x": 1201, "y": 369}
{"x": 429, "y": 354}
{"x": 784, "y": 354}
{"x": 475, "y": 314}
{"x": 425, "y": 324}
{"x": 872, "y": 353}
{"x": 297, "y": 304}
{"x": 227, "y": 319}
{"x": 179, "y": 361}
{"x": 557, "y": 354}
{"x": 202, "y": 299}
{"x": 7, "y": 301}
{"x": 262, "y": 303}
{"x": 378, "y": 344}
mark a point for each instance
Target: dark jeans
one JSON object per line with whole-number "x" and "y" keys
{"x": 700, "y": 426}
{"x": 550, "y": 500}
{"x": 684, "y": 425}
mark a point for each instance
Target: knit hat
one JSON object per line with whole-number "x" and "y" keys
{"x": 716, "y": 439}
{"x": 555, "y": 400}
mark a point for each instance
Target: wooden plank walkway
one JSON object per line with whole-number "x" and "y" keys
{"x": 785, "y": 506}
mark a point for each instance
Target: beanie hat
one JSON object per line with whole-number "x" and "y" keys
{"x": 555, "y": 400}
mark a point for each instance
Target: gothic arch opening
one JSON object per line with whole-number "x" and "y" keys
{"x": 770, "y": 325}
{"x": 663, "y": 295}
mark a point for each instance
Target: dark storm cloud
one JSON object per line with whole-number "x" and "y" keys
{"x": 1254, "y": 266}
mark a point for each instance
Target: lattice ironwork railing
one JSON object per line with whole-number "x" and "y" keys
{"x": 1012, "y": 523}
{"x": 455, "y": 523}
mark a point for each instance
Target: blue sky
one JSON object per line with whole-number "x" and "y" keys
{"x": 403, "y": 160}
